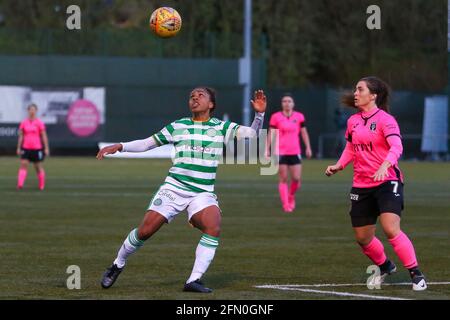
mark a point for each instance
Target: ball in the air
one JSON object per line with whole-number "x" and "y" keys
{"x": 165, "y": 22}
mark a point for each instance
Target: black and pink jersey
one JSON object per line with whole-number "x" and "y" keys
{"x": 372, "y": 138}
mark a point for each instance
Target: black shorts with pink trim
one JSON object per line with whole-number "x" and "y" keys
{"x": 369, "y": 203}
{"x": 290, "y": 160}
{"x": 32, "y": 155}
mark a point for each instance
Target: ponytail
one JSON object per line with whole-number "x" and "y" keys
{"x": 375, "y": 86}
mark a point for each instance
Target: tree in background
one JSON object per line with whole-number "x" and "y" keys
{"x": 308, "y": 41}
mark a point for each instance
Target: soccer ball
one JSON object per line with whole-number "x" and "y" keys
{"x": 165, "y": 22}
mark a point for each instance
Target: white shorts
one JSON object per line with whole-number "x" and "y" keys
{"x": 170, "y": 201}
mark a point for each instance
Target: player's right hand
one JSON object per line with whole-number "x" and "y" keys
{"x": 333, "y": 169}
{"x": 18, "y": 151}
{"x": 109, "y": 150}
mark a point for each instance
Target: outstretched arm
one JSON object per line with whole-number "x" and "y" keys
{"x": 259, "y": 105}
{"x": 132, "y": 146}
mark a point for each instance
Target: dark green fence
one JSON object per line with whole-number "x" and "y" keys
{"x": 126, "y": 42}
{"x": 144, "y": 94}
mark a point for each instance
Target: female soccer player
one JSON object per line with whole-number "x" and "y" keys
{"x": 198, "y": 143}
{"x": 289, "y": 124}
{"x": 374, "y": 145}
{"x": 32, "y": 147}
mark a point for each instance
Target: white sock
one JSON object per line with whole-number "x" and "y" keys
{"x": 204, "y": 254}
{"x": 129, "y": 246}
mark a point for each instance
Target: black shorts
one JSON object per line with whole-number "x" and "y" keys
{"x": 290, "y": 160}
{"x": 369, "y": 203}
{"x": 32, "y": 155}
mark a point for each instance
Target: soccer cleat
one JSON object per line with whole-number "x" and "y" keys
{"x": 287, "y": 208}
{"x": 386, "y": 269}
{"x": 110, "y": 276}
{"x": 418, "y": 280}
{"x": 196, "y": 286}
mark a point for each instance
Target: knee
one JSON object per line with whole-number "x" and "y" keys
{"x": 363, "y": 240}
{"x": 212, "y": 231}
{"x": 391, "y": 232}
{"x": 283, "y": 179}
{"x": 295, "y": 179}
{"x": 143, "y": 233}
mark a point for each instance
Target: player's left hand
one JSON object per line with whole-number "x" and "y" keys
{"x": 308, "y": 153}
{"x": 109, "y": 150}
{"x": 47, "y": 152}
{"x": 260, "y": 102}
{"x": 382, "y": 171}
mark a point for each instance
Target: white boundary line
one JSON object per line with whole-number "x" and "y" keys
{"x": 347, "y": 284}
{"x": 335, "y": 293}
{"x": 302, "y": 288}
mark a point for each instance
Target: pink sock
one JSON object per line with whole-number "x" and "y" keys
{"x": 283, "y": 190}
{"x": 21, "y": 176}
{"x": 295, "y": 185}
{"x": 404, "y": 249}
{"x": 375, "y": 251}
{"x": 41, "y": 178}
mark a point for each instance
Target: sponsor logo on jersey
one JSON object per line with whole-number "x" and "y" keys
{"x": 363, "y": 146}
{"x": 197, "y": 148}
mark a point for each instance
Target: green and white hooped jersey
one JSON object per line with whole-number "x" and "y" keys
{"x": 198, "y": 150}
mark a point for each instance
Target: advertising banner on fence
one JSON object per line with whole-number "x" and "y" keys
{"x": 73, "y": 116}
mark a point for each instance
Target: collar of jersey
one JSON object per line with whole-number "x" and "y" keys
{"x": 202, "y": 122}
{"x": 367, "y": 115}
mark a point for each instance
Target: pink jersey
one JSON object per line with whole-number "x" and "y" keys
{"x": 288, "y": 132}
{"x": 373, "y": 138}
{"x": 32, "y": 130}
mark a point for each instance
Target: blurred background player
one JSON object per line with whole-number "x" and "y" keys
{"x": 289, "y": 124}
{"x": 198, "y": 143}
{"x": 32, "y": 147}
{"x": 374, "y": 145}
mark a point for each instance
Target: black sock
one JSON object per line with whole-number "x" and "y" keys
{"x": 415, "y": 272}
{"x": 385, "y": 265}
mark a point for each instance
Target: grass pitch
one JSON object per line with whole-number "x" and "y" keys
{"x": 89, "y": 207}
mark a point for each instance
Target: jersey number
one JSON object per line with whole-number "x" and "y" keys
{"x": 395, "y": 183}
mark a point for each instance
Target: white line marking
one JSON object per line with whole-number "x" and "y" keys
{"x": 301, "y": 288}
{"x": 335, "y": 293}
{"x": 349, "y": 284}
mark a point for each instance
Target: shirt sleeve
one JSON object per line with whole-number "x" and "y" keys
{"x": 347, "y": 156}
{"x": 273, "y": 121}
{"x": 21, "y": 126}
{"x": 164, "y": 136}
{"x": 230, "y": 131}
{"x": 302, "y": 121}
{"x": 348, "y": 135}
{"x": 41, "y": 127}
{"x": 390, "y": 128}
{"x": 395, "y": 149}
